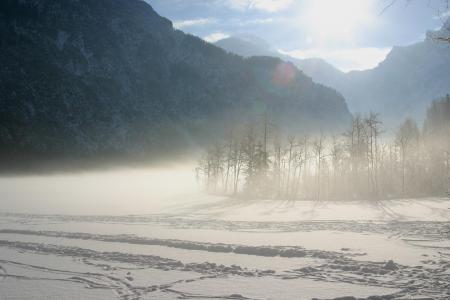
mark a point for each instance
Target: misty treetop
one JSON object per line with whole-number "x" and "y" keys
{"x": 256, "y": 159}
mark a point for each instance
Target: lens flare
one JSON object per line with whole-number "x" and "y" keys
{"x": 284, "y": 74}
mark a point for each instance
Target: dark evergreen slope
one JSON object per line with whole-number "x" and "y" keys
{"x": 90, "y": 77}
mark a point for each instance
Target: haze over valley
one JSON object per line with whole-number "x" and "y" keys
{"x": 225, "y": 149}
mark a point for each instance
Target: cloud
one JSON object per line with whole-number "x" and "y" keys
{"x": 262, "y": 5}
{"x": 344, "y": 59}
{"x": 216, "y": 36}
{"x": 180, "y": 24}
{"x": 257, "y": 21}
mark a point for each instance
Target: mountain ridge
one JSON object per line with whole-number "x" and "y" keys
{"x": 401, "y": 86}
{"x": 99, "y": 77}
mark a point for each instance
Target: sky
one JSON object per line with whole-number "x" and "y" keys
{"x": 349, "y": 34}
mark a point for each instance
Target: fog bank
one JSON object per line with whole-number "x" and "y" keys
{"x": 118, "y": 192}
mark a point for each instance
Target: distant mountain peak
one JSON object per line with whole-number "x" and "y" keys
{"x": 246, "y": 45}
{"x": 255, "y": 40}
{"x": 405, "y": 81}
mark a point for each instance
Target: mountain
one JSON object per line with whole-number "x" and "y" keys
{"x": 98, "y": 78}
{"x": 245, "y": 45}
{"x": 402, "y": 85}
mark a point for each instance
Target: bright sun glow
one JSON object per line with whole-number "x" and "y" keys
{"x": 332, "y": 21}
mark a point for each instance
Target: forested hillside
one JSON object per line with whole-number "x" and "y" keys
{"x": 103, "y": 77}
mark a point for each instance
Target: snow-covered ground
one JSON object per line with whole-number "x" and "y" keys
{"x": 202, "y": 247}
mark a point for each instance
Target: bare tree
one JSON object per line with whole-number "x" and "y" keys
{"x": 318, "y": 148}
{"x": 373, "y": 126}
{"x": 359, "y": 163}
{"x": 406, "y": 135}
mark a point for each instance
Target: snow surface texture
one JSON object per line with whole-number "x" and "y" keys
{"x": 216, "y": 248}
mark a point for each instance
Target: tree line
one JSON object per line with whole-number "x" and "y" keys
{"x": 255, "y": 159}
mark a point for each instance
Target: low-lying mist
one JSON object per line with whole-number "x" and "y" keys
{"x": 100, "y": 192}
